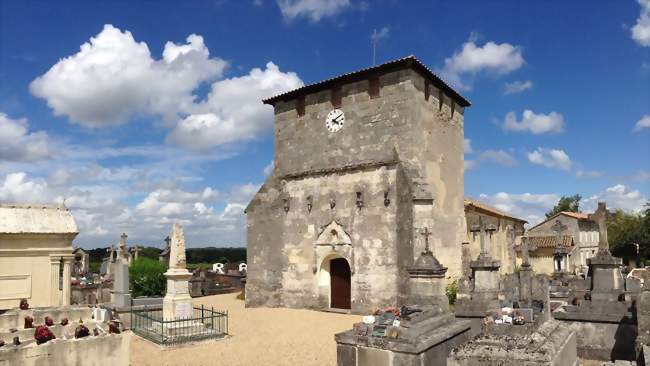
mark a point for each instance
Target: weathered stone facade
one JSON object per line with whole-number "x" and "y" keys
{"x": 363, "y": 193}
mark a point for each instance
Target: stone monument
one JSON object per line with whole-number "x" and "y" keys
{"x": 560, "y": 253}
{"x": 177, "y": 302}
{"x": 121, "y": 295}
{"x": 607, "y": 282}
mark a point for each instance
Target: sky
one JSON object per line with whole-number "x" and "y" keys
{"x": 138, "y": 114}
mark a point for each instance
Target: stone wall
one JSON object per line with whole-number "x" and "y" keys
{"x": 398, "y": 142}
{"x": 106, "y": 350}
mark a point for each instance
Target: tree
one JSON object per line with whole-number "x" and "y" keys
{"x": 566, "y": 203}
{"x": 146, "y": 277}
{"x": 626, "y": 230}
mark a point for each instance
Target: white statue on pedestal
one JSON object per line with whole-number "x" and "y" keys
{"x": 177, "y": 302}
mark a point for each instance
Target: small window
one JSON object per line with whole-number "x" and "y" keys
{"x": 427, "y": 90}
{"x": 337, "y": 96}
{"x": 440, "y": 99}
{"x": 300, "y": 106}
{"x": 373, "y": 87}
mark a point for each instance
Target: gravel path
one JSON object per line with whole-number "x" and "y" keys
{"x": 258, "y": 336}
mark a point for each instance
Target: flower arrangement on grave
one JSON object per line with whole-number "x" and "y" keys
{"x": 43, "y": 334}
{"x": 113, "y": 327}
{"x": 64, "y": 321}
{"x": 24, "y": 305}
{"x": 49, "y": 321}
{"x": 29, "y": 322}
{"x": 81, "y": 330}
{"x": 16, "y": 341}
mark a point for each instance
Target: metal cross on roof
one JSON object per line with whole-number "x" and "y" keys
{"x": 426, "y": 233}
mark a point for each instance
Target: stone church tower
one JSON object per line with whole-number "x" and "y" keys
{"x": 366, "y": 163}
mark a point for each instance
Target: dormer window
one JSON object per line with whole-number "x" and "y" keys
{"x": 373, "y": 87}
{"x": 337, "y": 97}
{"x": 300, "y": 106}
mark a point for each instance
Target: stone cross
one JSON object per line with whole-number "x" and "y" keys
{"x": 111, "y": 251}
{"x": 426, "y": 233}
{"x": 122, "y": 247}
{"x": 559, "y": 228}
{"x": 600, "y": 217}
{"x": 480, "y": 228}
{"x": 525, "y": 262}
{"x": 177, "y": 248}
{"x": 136, "y": 251}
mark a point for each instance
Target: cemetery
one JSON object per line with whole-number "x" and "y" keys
{"x": 360, "y": 252}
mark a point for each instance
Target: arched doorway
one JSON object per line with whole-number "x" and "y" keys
{"x": 340, "y": 284}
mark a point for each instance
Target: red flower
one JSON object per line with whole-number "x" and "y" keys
{"x": 29, "y": 322}
{"x": 64, "y": 321}
{"x": 49, "y": 321}
{"x": 43, "y": 334}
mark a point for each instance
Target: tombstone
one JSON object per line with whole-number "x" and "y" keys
{"x": 560, "y": 253}
{"x": 218, "y": 268}
{"x": 121, "y": 295}
{"x": 423, "y": 332}
{"x": 606, "y": 279}
{"x": 177, "y": 302}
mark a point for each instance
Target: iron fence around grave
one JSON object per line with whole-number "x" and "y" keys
{"x": 205, "y": 323}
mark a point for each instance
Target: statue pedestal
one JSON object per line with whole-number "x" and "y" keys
{"x": 177, "y": 302}
{"x": 120, "y": 294}
{"x": 606, "y": 279}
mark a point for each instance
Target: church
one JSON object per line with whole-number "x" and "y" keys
{"x": 368, "y": 170}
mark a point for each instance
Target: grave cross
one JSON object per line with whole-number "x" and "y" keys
{"x": 111, "y": 251}
{"x": 168, "y": 240}
{"x": 480, "y": 228}
{"x": 123, "y": 245}
{"x": 559, "y": 228}
{"x": 426, "y": 233}
{"x": 136, "y": 251}
{"x": 600, "y": 217}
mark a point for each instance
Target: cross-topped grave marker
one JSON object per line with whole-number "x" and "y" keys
{"x": 600, "y": 217}
{"x": 559, "y": 228}
{"x": 480, "y": 228}
{"x": 426, "y": 233}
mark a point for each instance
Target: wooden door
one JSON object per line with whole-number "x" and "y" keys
{"x": 340, "y": 283}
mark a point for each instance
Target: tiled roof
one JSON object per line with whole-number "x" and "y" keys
{"x": 490, "y": 209}
{"x": 575, "y": 215}
{"x": 408, "y": 61}
{"x": 547, "y": 241}
{"x": 36, "y": 219}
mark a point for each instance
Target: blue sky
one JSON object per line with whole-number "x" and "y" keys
{"x": 140, "y": 114}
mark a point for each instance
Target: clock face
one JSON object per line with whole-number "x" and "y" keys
{"x": 334, "y": 121}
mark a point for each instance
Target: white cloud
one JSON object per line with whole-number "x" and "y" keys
{"x": 17, "y": 144}
{"x": 517, "y": 87}
{"x": 383, "y": 33}
{"x": 528, "y": 206}
{"x": 17, "y": 189}
{"x": 467, "y": 146}
{"x": 644, "y": 122}
{"x": 550, "y": 158}
{"x": 494, "y": 58}
{"x": 269, "y": 168}
{"x": 641, "y": 30}
{"x": 113, "y": 78}
{"x": 617, "y": 197}
{"x": 588, "y": 174}
{"x": 535, "y": 123}
{"x": 469, "y": 164}
{"x": 233, "y": 110}
{"x": 314, "y": 10}
{"x": 499, "y": 156}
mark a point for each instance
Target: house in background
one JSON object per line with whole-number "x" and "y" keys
{"x": 580, "y": 238}
{"x": 506, "y": 231}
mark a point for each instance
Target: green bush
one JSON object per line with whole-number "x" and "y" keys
{"x": 451, "y": 290}
{"x": 147, "y": 277}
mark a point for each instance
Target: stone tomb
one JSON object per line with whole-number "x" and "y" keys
{"x": 421, "y": 334}
{"x": 604, "y": 321}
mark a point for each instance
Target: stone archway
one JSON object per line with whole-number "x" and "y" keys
{"x": 335, "y": 278}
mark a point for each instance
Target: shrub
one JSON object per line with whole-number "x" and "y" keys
{"x": 147, "y": 278}
{"x": 451, "y": 290}
{"x": 242, "y": 295}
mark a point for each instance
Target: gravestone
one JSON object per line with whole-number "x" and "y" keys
{"x": 121, "y": 295}
{"x": 177, "y": 302}
{"x": 606, "y": 279}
